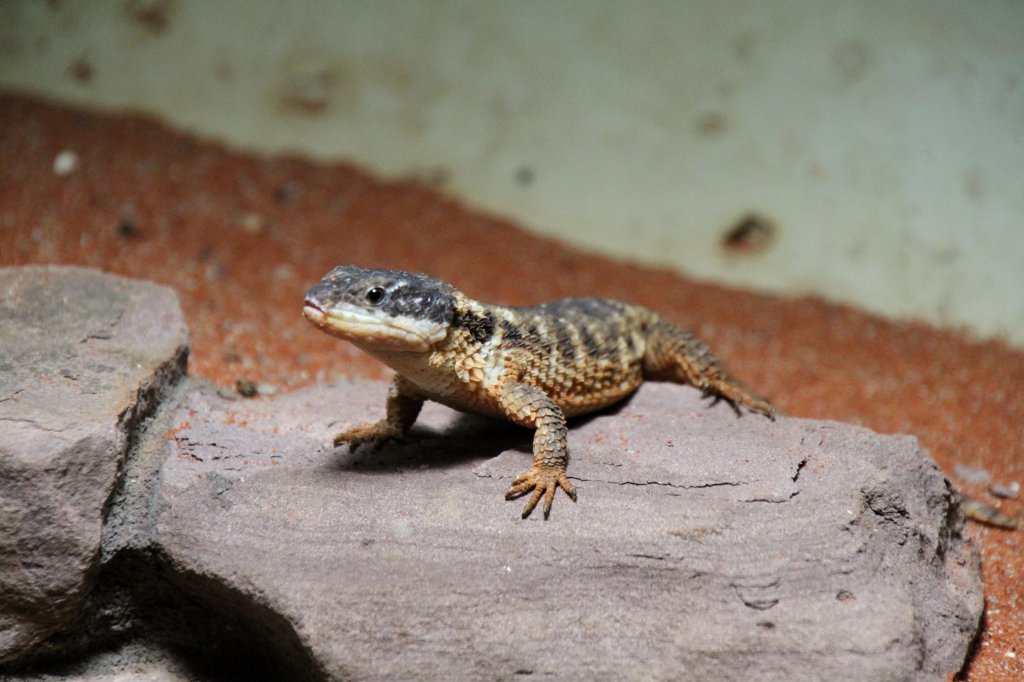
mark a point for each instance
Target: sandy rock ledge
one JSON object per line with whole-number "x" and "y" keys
{"x": 703, "y": 546}
{"x": 84, "y": 358}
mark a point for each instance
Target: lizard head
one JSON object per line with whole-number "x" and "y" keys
{"x": 382, "y": 309}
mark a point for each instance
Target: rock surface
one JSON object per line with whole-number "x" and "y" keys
{"x": 703, "y": 546}
{"x": 83, "y": 356}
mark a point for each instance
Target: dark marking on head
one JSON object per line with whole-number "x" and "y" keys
{"x": 392, "y": 292}
{"x": 480, "y": 327}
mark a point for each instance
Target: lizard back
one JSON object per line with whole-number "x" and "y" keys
{"x": 585, "y": 353}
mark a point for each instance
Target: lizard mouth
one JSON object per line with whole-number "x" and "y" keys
{"x": 373, "y": 328}
{"x": 313, "y": 312}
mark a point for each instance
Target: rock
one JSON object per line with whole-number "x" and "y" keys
{"x": 703, "y": 546}
{"x": 84, "y": 356}
{"x": 152, "y": 531}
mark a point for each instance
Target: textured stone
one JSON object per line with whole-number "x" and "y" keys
{"x": 83, "y": 356}
{"x": 703, "y": 546}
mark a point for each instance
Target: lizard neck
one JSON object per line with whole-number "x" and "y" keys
{"x": 464, "y": 357}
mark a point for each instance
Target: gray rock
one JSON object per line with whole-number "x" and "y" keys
{"x": 84, "y": 356}
{"x": 703, "y": 546}
{"x": 152, "y": 531}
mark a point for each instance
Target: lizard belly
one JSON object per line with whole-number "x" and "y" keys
{"x": 459, "y": 382}
{"x": 485, "y": 405}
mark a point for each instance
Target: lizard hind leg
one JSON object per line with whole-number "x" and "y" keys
{"x": 673, "y": 354}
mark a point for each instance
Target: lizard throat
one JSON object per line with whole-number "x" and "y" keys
{"x": 375, "y": 331}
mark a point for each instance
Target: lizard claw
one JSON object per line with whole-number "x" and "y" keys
{"x": 376, "y": 434}
{"x": 543, "y": 481}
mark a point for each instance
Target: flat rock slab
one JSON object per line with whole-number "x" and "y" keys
{"x": 703, "y": 546}
{"x": 82, "y": 356}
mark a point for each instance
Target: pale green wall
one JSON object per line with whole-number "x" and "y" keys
{"x": 885, "y": 139}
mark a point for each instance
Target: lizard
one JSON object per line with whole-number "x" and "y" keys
{"x": 534, "y": 366}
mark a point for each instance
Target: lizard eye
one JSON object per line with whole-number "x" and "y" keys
{"x": 375, "y": 296}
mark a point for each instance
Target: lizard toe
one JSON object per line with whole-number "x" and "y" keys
{"x": 570, "y": 490}
{"x": 528, "y": 509}
{"x": 543, "y": 482}
{"x": 518, "y": 490}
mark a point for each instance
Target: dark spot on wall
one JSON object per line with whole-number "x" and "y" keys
{"x": 431, "y": 176}
{"x": 309, "y": 88}
{"x": 752, "y": 233}
{"x": 974, "y": 185}
{"x": 313, "y": 81}
{"x": 743, "y": 47}
{"x": 851, "y": 60}
{"x": 152, "y": 15}
{"x": 711, "y": 124}
{"x": 223, "y": 72}
{"x": 524, "y": 176}
{"x": 81, "y": 70}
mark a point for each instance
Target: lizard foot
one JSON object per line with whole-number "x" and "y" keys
{"x": 736, "y": 395}
{"x": 376, "y": 434}
{"x": 543, "y": 481}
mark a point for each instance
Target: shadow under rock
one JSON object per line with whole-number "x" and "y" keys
{"x": 194, "y": 625}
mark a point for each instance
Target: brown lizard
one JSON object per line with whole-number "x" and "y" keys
{"x": 534, "y": 366}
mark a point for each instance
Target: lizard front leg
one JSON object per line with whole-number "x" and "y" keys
{"x": 531, "y": 407}
{"x": 403, "y": 406}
